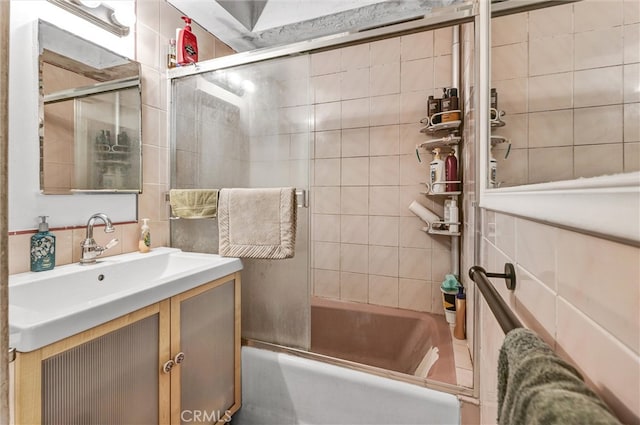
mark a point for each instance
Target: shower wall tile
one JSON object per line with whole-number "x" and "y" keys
{"x": 384, "y": 140}
{"x": 326, "y": 256}
{"x": 383, "y": 290}
{"x": 588, "y": 160}
{"x": 385, "y": 110}
{"x": 417, "y": 75}
{"x": 326, "y": 227}
{"x": 384, "y": 170}
{"x": 327, "y": 116}
{"x": 383, "y": 200}
{"x": 326, "y": 88}
{"x": 545, "y": 24}
{"x": 595, "y": 14}
{"x": 355, "y": 142}
{"x": 355, "y": 113}
{"x": 355, "y": 171}
{"x": 414, "y": 295}
{"x": 509, "y": 61}
{"x": 631, "y": 123}
{"x": 385, "y": 51}
{"x": 550, "y": 164}
{"x": 354, "y": 258}
{"x": 598, "y": 125}
{"x": 355, "y": 83}
{"x": 631, "y": 11}
{"x": 413, "y": 107}
{"x": 411, "y": 234}
{"x": 550, "y": 128}
{"x": 513, "y": 95}
{"x": 443, "y": 39}
{"x": 631, "y": 78}
{"x": 509, "y": 29}
{"x": 328, "y": 144}
{"x": 599, "y": 48}
{"x": 415, "y": 263}
{"x": 354, "y": 287}
{"x": 631, "y": 157}
{"x": 631, "y": 38}
{"x": 355, "y": 57}
{"x": 354, "y": 229}
{"x": 326, "y": 200}
{"x": 601, "y": 86}
{"x": 354, "y": 200}
{"x": 326, "y": 62}
{"x": 383, "y": 230}
{"x": 383, "y": 260}
{"x": 385, "y": 79}
{"x": 326, "y": 283}
{"x": 416, "y": 46}
{"x": 550, "y": 55}
{"x": 551, "y": 92}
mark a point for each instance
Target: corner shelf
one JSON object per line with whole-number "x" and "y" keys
{"x": 496, "y": 118}
{"x": 430, "y": 192}
{"x": 497, "y": 140}
{"x": 432, "y": 128}
{"x": 446, "y": 141}
{"x": 431, "y": 231}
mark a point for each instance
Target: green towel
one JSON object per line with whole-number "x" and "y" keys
{"x": 194, "y": 203}
{"x": 535, "y": 386}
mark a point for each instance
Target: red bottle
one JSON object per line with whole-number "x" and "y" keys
{"x": 451, "y": 172}
{"x": 187, "y": 44}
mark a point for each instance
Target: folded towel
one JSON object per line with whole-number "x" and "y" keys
{"x": 535, "y": 386}
{"x": 257, "y": 223}
{"x": 194, "y": 203}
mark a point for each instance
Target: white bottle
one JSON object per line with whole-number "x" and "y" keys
{"x": 436, "y": 173}
{"x": 453, "y": 216}
{"x": 144, "y": 244}
{"x": 493, "y": 170}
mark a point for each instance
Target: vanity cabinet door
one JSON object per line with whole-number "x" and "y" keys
{"x": 205, "y": 343}
{"x": 108, "y": 374}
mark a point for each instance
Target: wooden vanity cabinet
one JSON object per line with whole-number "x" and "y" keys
{"x": 176, "y": 361}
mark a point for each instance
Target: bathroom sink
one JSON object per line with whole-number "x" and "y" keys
{"x": 48, "y": 306}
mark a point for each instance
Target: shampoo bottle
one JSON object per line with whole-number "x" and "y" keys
{"x": 451, "y": 172}
{"x": 461, "y": 304}
{"x": 433, "y": 107}
{"x": 493, "y": 171}
{"x": 144, "y": 244}
{"x": 187, "y": 44}
{"x": 453, "y": 216}
{"x": 43, "y": 248}
{"x": 436, "y": 173}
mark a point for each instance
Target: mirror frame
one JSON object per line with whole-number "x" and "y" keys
{"x": 604, "y": 206}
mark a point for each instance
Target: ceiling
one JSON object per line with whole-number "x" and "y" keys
{"x": 251, "y": 24}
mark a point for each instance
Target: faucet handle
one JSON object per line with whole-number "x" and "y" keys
{"x": 113, "y": 242}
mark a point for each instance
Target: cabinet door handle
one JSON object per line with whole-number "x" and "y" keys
{"x": 179, "y": 357}
{"x": 168, "y": 365}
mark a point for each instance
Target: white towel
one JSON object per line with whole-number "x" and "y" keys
{"x": 257, "y": 223}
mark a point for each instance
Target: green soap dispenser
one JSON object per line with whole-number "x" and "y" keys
{"x": 43, "y": 248}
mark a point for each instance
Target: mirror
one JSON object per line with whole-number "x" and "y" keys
{"x": 90, "y": 116}
{"x": 565, "y": 150}
{"x": 567, "y": 80}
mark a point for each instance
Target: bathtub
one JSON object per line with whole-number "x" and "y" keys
{"x": 389, "y": 338}
{"x": 284, "y": 389}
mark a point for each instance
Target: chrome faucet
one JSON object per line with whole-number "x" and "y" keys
{"x": 90, "y": 249}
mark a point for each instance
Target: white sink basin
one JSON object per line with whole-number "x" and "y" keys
{"x": 48, "y": 306}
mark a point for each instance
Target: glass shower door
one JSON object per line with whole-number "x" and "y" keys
{"x": 249, "y": 126}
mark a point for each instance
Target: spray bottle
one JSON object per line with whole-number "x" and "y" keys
{"x": 187, "y": 44}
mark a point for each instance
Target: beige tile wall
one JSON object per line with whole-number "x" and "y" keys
{"x": 369, "y": 99}
{"x": 568, "y": 78}
{"x": 156, "y": 24}
{"x": 579, "y": 293}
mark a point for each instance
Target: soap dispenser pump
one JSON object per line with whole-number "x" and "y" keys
{"x": 43, "y": 247}
{"x": 144, "y": 244}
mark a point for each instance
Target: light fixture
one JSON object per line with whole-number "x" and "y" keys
{"x": 100, "y": 14}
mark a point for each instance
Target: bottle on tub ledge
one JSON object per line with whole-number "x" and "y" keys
{"x": 461, "y": 304}
{"x": 43, "y": 247}
{"x": 144, "y": 244}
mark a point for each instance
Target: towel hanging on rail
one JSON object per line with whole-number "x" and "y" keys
{"x": 536, "y": 387}
{"x": 194, "y": 203}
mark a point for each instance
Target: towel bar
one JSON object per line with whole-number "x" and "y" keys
{"x": 506, "y": 318}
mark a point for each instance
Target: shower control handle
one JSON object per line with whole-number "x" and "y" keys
{"x": 179, "y": 358}
{"x": 168, "y": 365}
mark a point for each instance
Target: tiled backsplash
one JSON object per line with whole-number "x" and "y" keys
{"x": 156, "y": 24}
{"x": 568, "y": 79}
{"x": 367, "y": 246}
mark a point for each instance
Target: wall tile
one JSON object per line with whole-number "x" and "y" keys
{"x": 416, "y": 46}
{"x": 550, "y": 55}
{"x": 550, "y": 164}
{"x": 326, "y": 200}
{"x": 328, "y": 144}
{"x": 355, "y": 142}
{"x": 385, "y": 51}
{"x": 506, "y": 234}
{"x": 585, "y": 280}
{"x": 383, "y": 200}
{"x": 598, "y": 125}
{"x": 442, "y": 71}
{"x": 413, "y": 172}
{"x": 385, "y": 110}
{"x": 385, "y": 79}
{"x": 631, "y": 11}
{"x": 536, "y": 250}
{"x": 594, "y": 14}
{"x": 354, "y": 200}
{"x": 414, "y": 294}
{"x": 354, "y": 258}
{"x": 509, "y": 29}
{"x": 411, "y": 234}
{"x": 326, "y": 227}
{"x": 355, "y": 171}
{"x": 327, "y": 172}
{"x": 602, "y": 86}
{"x": 354, "y": 229}
{"x": 416, "y": 75}
{"x": 508, "y": 62}
{"x": 325, "y": 62}
{"x": 550, "y": 92}
{"x": 631, "y": 157}
{"x": 515, "y": 169}
{"x": 383, "y": 260}
{"x": 536, "y": 304}
{"x": 415, "y": 263}
{"x": 354, "y": 287}
{"x": 384, "y": 140}
{"x": 621, "y": 365}
{"x": 355, "y": 113}
{"x": 383, "y": 230}
{"x": 598, "y": 160}
{"x": 443, "y": 39}
{"x": 631, "y": 41}
{"x": 410, "y": 135}
{"x": 631, "y": 77}
{"x": 413, "y": 107}
{"x": 19, "y": 253}
{"x": 355, "y": 57}
{"x": 440, "y": 264}
{"x": 326, "y": 283}
{"x": 326, "y": 256}
{"x": 326, "y": 88}
{"x": 554, "y": 128}
{"x": 327, "y": 116}
{"x": 383, "y": 290}
{"x": 513, "y": 95}
{"x": 355, "y": 83}
{"x": 631, "y": 123}
{"x": 548, "y": 21}
{"x": 384, "y": 170}
{"x": 598, "y": 48}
